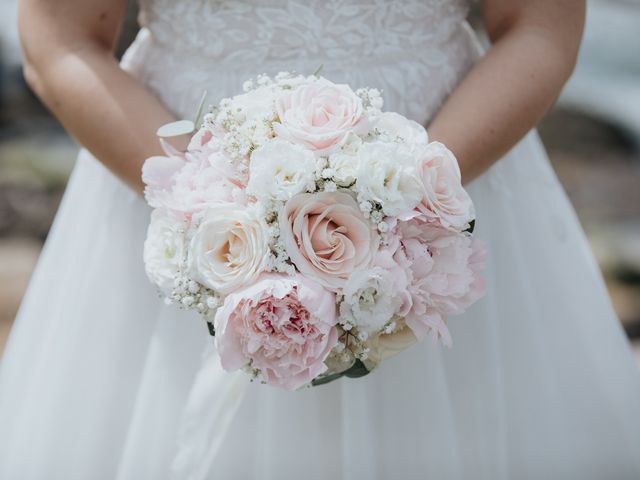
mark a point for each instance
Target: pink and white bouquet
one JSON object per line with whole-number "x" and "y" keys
{"x": 317, "y": 234}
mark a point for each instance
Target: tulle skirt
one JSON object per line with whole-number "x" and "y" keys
{"x": 101, "y": 380}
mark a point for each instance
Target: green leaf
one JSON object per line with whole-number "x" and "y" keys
{"x": 356, "y": 370}
{"x": 196, "y": 121}
{"x": 324, "y": 379}
{"x": 212, "y": 330}
{"x": 472, "y": 226}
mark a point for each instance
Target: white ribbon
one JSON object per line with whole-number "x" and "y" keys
{"x": 211, "y": 406}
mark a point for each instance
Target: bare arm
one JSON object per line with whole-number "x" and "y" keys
{"x": 69, "y": 63}
{"x": 535, "y": 45}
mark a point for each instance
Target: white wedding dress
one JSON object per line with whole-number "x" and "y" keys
{"x": 101, "y": 380}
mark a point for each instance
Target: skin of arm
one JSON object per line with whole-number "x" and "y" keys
{"x": 535, "y": 46}
{"x": 69, "y": 63}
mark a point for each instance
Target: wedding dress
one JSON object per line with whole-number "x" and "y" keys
{"x": 101, "y": 380}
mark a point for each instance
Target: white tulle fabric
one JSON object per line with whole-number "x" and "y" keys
{"x": 101, "y": 380}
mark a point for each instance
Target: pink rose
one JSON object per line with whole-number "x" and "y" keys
{"x": 445, "y": 269}
{"x": 319, "y": 115}
{"x": 283, "y": 326}
{"x": 444, "y": 198}
{"x": 327, "y": 237}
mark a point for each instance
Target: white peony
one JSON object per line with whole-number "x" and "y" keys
{"x": 279, "y": 170}
{"x": 370, "y": 300}
{"x": 230, "y": 247}
{"x": 387, "y": 174}
{"x": 164, "y": 249}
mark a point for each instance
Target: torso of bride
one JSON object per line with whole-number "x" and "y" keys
{"x": 414, "y": 50}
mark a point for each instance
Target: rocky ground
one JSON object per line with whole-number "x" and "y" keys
{"x": 597, "y": 165}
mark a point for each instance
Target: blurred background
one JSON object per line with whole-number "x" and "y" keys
{"x": 592, "y": 135}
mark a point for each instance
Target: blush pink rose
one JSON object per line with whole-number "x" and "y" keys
{"x": 444, "y": 199}
{"x": 284, "y": 326}
{"x": 319, "y": 115}
{"x": 327, "y": 237}
{"x": 445, "y": 269}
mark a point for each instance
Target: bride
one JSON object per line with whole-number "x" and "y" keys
{"x": 101, "y": 380}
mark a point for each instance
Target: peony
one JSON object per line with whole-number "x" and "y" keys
{"x": 283, "y": 326}
{"x": 229, "y": 247}
{"x": 445, "y": 269}
{"x": 206, "y": 180}
{"x": 327, "y": 237}
{"x": 164, "y": 249}
{"x": 387, "y": 175}
{"x": 396, "y": 125}
{"x": 373, "y": 297}
{"x": 159, "y": 174}
{"x": 318, "y": 115}
{"x": 279, "y": 170}
{"x": 443, "y": 196}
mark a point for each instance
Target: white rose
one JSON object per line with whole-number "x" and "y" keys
{"x": 396, "y": 125}
{"x": 164, "y": 249}
{"x": 229, "y": 248}
{"x": 279, "y": 170}
{"x": 387, "y": 174}
{"x": 369, "y": 299}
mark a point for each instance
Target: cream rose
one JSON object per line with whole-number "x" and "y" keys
{"x": 229, "y": 248}
{"x": 319, "y": 115}
{"x": 384, "y": 346}
{"x": 327, "y": 237}
{"x": 443, "y": 196}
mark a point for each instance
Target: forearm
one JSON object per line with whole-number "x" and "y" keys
{"x": 502, "y": 98}
{"x": 103, "y": 107}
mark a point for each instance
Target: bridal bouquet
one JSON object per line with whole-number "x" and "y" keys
{"x": 316, "y": 234}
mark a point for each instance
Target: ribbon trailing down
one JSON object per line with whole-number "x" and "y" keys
{"x": 211, "y": 407}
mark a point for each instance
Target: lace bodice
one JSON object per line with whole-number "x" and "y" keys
{"x": 414, "y": 50}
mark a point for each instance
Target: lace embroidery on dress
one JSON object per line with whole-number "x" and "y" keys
{"x": 415, "y": 51}
{"x": 240, "y": 33}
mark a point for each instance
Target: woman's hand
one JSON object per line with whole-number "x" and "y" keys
{"x": 69, "y": 63}
{"x": 535, "y": 46}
